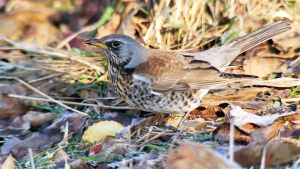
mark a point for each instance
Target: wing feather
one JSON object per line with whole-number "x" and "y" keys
{"x": 169, "y": 71}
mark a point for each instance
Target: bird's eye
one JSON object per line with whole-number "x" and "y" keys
{"x": 115, "y": 44}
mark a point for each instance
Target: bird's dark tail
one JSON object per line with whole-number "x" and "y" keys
{"x": 222, "y": 56}
{"x": 261, "y": 35}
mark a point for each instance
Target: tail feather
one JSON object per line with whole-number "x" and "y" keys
{"x": 222, "y": 56}
{"x": 259, "y": 36}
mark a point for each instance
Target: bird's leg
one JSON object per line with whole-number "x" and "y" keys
{"x": 186, "y": 114}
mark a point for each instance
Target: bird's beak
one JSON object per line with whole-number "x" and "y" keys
{"x": 96, "y": 42}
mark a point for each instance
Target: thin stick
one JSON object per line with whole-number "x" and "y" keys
{"x": 290, "y": 100}
{"x": 152, "y": 138}
{"x": 31, "y": 158}
{"x": 45, "y": 77}
{"x": 263, "y": 158}
{"x": 231, "y": 142}
{"x": 69, "y": 102}
{"x": 42, "y": 94}
{"x": 185, "y": 116}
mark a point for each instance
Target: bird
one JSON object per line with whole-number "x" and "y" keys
{"x": 155, "y": 80}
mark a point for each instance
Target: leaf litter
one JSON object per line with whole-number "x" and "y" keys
{"x": 249, "y": 125}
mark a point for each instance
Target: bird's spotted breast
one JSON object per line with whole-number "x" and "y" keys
{"x": 140, "y": 96}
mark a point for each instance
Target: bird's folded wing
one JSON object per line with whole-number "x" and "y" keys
{"x": 168, "y": 71}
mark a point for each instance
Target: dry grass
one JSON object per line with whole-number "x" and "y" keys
{"x": 188, "y": 25}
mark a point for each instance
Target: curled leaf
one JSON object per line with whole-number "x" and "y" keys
{"x": 99, "y": 131}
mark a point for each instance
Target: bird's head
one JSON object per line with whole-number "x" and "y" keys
{"x": 121, "y": 50}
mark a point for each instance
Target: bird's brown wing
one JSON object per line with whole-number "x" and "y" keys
{"x": 162, "y": 71}
{"x": 166, "y": 71}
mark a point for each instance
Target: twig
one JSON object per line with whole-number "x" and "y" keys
{"x": 152, "y": 138}
{"x": 263, "y": 158}
{"x": 231, "y": 142}
{"x": 42, "y": 94}
{"x": 45, "y": 77}
{"x": 69, "y": 102}
{"x": 31, "y": 158}
{"x": 297, "y": 99}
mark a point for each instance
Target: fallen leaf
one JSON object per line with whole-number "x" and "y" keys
{"x": 234, "y": 96}
{"x": 39, "y": 141}
{"x": 112, "y": 148}
{"x": 278, "y": 152}
{"x": 206, "y": 112}
{"x": 74, "y": 120}
{"x": 278, "y": 128}
{"x": 221, "y": 134}
{"x": 99, "y": 131}
{"x": 110, "y": 27}
{"x": 14, "y": 128}
{"x": 9, "y": 163}
{"x": 193, "y": 125}
{"x": 28, "y": 22}
{"x": 36, "y": 141}
{"x": 11, "y": 108}
{"x": 9, "y": 145}
{"x": 240, "y": 117}
{"x": 196, "y": 156}
{"x": 261, "y": 66}
{"x": 263, "y": 135}
{"x": 6, "y": 67}
{"x": 37, "y": 119}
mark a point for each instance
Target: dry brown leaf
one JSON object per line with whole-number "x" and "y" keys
{"x": 11, "y": 107}
{"x": 9, "y": 163}
{"x": 265, "y": 134}
{"x": 278, "y": 128}
{"x": 29, "y": 26}
{"x": 256, "y": 100}
{"x": 206, "y": 112}
{"x": 221, "y": 133}
{"x": 50, "y": 136}
{"x": 24, "y": 5}
{"x": 196, "y": 156}
{"x": 110, "y": 27}
{"x": 36, "y": 119}
{"x": 115, "y": 147}
{"x": 193, "y": 125}
{"x": 278, "y": 152}
{"x": 262, "y": 67}
{"x": 232, "y": 95}
{"x": 13, "y": 128}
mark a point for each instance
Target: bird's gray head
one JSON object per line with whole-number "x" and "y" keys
{"x": 121, "y": 50}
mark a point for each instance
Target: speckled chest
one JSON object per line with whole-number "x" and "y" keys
{"x": 139, "y": 95}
